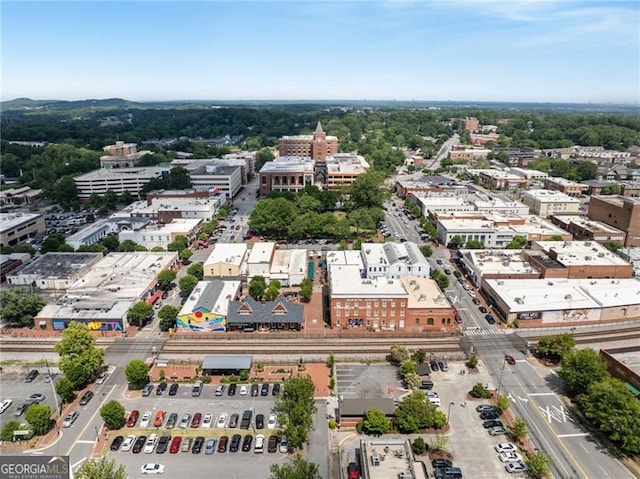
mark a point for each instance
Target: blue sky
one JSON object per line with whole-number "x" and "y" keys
{"x": 474, "y": 50}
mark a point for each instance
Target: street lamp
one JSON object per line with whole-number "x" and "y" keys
{"x": 55, "y": 396}
{"x": 504, "y": 363}
{"x": 449, "y": 411}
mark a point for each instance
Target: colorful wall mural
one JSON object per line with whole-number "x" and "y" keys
{"x": 202, "y": 320}
{"x": 61, "y": 325}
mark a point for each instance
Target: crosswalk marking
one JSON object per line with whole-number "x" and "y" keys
{"x": 483, "y": 332}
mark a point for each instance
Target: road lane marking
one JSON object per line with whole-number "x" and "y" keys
{"x": 577, "y": 434}
{"x": 73, "y": 466}
{"x": 85, "y": 442}
{"x": 541, "y": 394}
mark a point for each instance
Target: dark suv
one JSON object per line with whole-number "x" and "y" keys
{"x": 235, "y": 443}
{"x": 31, "y": 376}
{"x": 246, "y": 419}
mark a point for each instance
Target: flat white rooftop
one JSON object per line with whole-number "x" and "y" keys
{"x": 347, "y": 283}
{"x": 563, "y": 181}
{"x": 285, "y": 164}
{"x": 571, "y": 253}
{"x": 228, "y": 253}
{"x": 116, "y": 173}
{"x": 348, "y": 257}
{"x": 261, "y": 252}
{"x": 499, "y": 261}
{"x": 550, "y": 196}
{"x": 11, "y": 220}
{"x": 424, "y": 293}
{"x": 588, "y": 224}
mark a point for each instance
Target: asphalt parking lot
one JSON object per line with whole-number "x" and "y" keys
{"x": 469, "y": 443}
{"x": 366, "y": 381}
{"x": 15, "y": 388}
{"x": 224, "y": 465}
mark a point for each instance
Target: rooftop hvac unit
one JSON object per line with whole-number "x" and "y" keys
{"x": 550, "y": 283}
{"x": 568, "y": 297}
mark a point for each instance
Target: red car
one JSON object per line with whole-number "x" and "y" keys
{"x": 195, "y": 422}
{"x": 159, "y": 420}
{"x": 352, "y": 471}
{"x": 175, "y": 444}
{"x": 133, "y": 418}
{"x": 509, "y": 359}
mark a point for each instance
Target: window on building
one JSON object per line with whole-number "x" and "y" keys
{"x": 430, "y": 321}
{"x": 417, "y": 321}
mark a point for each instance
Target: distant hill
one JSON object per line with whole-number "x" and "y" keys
{"x": 29, "y": 104}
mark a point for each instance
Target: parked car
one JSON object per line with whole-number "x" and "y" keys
{"x": 36, "y": 398}
{"x": 284, "y": 445}
{"x": 475, "y": 301}
{"x": 222, "y": 444}
{"x": 276, "y": 389}
{"x": 233, "y": 420}
{"x": 516, "y": 467}
{"x": 490, "y": 319}
{"x": 197, "y": 445}
{"x": 487, "y": 415}
{"x": 147, "y": 390}
{"x": 259, "y": 447}
{"x": 207, "y": 419}
{"x": 272, "y": 421}
{"x": 162, "y": 387}
{"x": 139, "y": 444}
{"x": 219, "y": 390}
{"x": 259, "y": 421}
{"x": 246, "y": 442}
{"x": 510, "y": 457}
{"x": 254, "y": 389}
{"x": 175, "y": 444}
{"x": 186, "y": 444}
{"x": 5, "y": 404}
{"x": 128, "y": 443}
{"x": 232, "y": 390}
{"x": 159, "y": 419}
{"x": 185, "y": 420}
{"x": 116, "y": 443}
{"x": 272, "y": 443}
{"x": 497, "y": 431}
{"x": 86, "y": 397}
{"x": 171, "y": 422}
{"x": 210, "y": 446}
{"x": 426, "y": 385}
{"x": 491, "y": 423}
{"x": 486, "y": 407}
{"x": 264, "y": 390}
{"x": 31, "y": 375}
{"x": 234, "y": 445}
{"x": 195, "y": 422}
{"x": 441, "y": 462}
{"x": 246, "y": 419}
{"x": 482, "y": 309}
{"x": 51, "y": 376}
{"x": 163, "y": 444}
{"x": 243, "y": 389}
{"x": 146, "y": 419}
{"x": 173, "y": 389}
{"x": 509, "y": 359}
{"x": 505, "y": 447}
{"x": 221, "y": 423}
{"x": 70, "y": 419}
{"x": 152, "y": 469}
{"x": 150, "y": 445}
{"x": 21, "y": 409}
{"x": 352, "y": 471}
{"x": 196, "y": 390}
{"x": 434, "y": 366}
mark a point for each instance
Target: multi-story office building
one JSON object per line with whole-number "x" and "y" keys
{"x": 468, "y": 124}
{"x": 583, "y": 228}
{"x": 17, "y": 228}
{"x": 317, "y": 146}
{"x": 343, "y": 169}
{"x": 117, "y": 180}
{"x": 545, "y": 203}
{"x": 121, "y": 155}
{"x": 621, "y": 212}
{"x": 568, "y": 187}
{"x": 287, "y": 173}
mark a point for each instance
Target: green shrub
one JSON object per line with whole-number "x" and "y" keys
{"x": 332, "y": 424}
{"x": 359, "y": 427}
{"x": 418, "y": 446}
{"x": 478, "y": 391}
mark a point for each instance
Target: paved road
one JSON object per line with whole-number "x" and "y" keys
{"x": 444, "y": 151}
{"x": 552, "y": 428}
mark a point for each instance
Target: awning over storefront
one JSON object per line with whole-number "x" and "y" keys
{"x": 42, "y": 323}
{"x": 154, "y": 297}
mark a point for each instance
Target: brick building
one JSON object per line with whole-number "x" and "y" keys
{"x": 317, "y": 146}
{"x": 468, "y": 124}
{"x": 621, "y": 212}
{"x": 567, "y": 187}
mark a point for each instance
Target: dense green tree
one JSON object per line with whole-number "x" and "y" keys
{"x": 111, "y": 243}
{"x": 518, "y": 429}
{"x": 556, "y": 346}
{"x": 197, "y": 270}
{"x": 178, "y": 244}
{"x": 518, "y": 242}
{"x": 407, "y": 367}
{"x": 63, "y": 191}
{"x": 179, "y": 178}
{"x": 257, "y": 287}
{"x": 306, "y": 289}
{"x": 440, "y": 278}
{"x": 418, "y": 446}
{"x": 19, "y": 307}
{"x": 474, "y": 244}
{"x": 538, "y": 464}
{"x": 398, "y": 355}
{"x": 126, "y": 198}
{"x": 64, "y": 388}
{"x": 9, "y": 427}
{"x": 185, "y": 254}
{"x": 368, "y": 191}
{"x": 128, "y": 246}
{"x": 139, "y": 313}
{"x": 39, "y": 418}
{"x": 414, "y": 413}
{"x": 455, "y": 242}
{"x": 581, "y": 368}
{"x": 615, "y": 411}
{"x": 187, "y": 283}
{"x": 306, "y": 203}
{"x": 612, "y": 245}
{"x": 80, "y": 358}
{"x": 102, "y": 468}
{"x": 113, "y": 414}
{"x": 137, "y": 373}
{"x": 210, "y": 227}
{"x": 168, "y": 315}
{"x": 273, "y": 216}
{"x": 296, "y": 406}
{"x": 298, "y": 468}
{"x": 166, "y": 277}
{"x": 503, "y": 402}
{"x": 375, "y": 422}
{"x": 426, "y": 250}
{"x": 611, "y": 189}
{"x": 55, "y": 243}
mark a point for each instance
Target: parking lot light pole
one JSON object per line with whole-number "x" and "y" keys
{"x": 55, "y": 396}
{"x": 449, "y": 411}
{"x": 504, "y": 363}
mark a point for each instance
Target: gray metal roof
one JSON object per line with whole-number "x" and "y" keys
{"x": 278, "y": 311}
{"x": 210, "y": 295}
{"x": 226, "y": 362}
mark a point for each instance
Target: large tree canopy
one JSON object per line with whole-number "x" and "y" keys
{"x": 18, "y": 307}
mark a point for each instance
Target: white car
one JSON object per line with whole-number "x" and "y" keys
{"x": 128, "y": 443}
{"x": 516, "y": 467}
{"x": 152, "y": 469}
{"x": 222, "y": 420}
{"x": 259, "y": 445}
{"x": 151, "y": 443}
{"x": 273, "y": 420}
{"x": 510, "y": 457}
{"x": 243, "y": 390}
{"x": 5, "y": 404}
{"x": 505, "y": 447}
{"x": 206, "y": 421}
{"x": 70, "y": 419}
{"x": 146, "y": 419}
